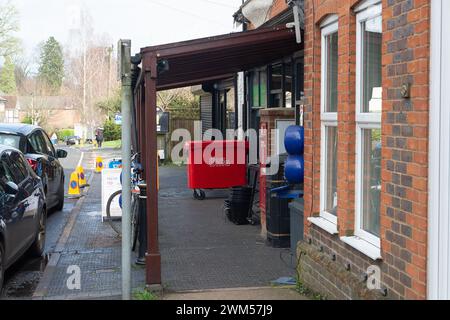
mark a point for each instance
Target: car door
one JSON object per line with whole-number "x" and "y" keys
{"x": 11, "y": 211}
{"x": 29, "y": 194}
{"x": 55, "y": 166}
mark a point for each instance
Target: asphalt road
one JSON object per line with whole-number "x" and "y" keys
{"x": 22, "y": 278}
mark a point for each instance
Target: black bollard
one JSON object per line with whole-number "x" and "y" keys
{"x": 142, "y": 231}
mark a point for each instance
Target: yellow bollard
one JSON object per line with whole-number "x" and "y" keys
{"x": 74, "y": 185}
{"x": 98, "y": 165}
{"x": 82, "y": 180}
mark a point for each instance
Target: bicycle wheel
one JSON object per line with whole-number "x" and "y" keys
{"x": 114, "y": 222}
{"x": 134, "y": 222}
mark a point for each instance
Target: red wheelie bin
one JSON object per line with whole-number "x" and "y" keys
{"x": 217, "y": 164}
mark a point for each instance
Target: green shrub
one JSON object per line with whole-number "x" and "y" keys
{"x": 27, "y": 120}
{"x": 112, "y": 131}
{"x": 62, "y": 134}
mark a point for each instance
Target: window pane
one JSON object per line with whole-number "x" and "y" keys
{"x": 10, "y": 140}
{"x": 299, "y": 80}
{"x": 331, "y": 170}
{"x": 230, "y": 109}
{"x": 371, "y": 180}
{"x": 331, "y": 72}
{"x": 371, "y": 65}
{"x": 263, "y": 88}
{"x": 255, "y": 89}
{"x": 288, "y": 83}
{"x": 277, "y": 77}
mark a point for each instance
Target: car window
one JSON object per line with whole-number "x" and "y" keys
{"x": 10, "y": 140}
{"x": 18, "y": 167}
{"x": 37, "y": 143}
{"x": 5, "y": 177}
{"x": 48, "y": 144}
{"x": 6, "y": 174}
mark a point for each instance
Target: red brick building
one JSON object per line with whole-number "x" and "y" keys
{"x": 375, "y": 194}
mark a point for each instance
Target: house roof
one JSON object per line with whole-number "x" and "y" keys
{"x": 11, "y": 101}
{"x": 197, "y": 61}
{"x": 48, "y": 102}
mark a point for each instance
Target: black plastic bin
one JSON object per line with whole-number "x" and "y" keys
{"x": 296, "y": 210}
{"x": 277, "y": 213}
{"x": 238, "y": 205}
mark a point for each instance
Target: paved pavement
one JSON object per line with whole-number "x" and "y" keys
{"x": 201, "y": 249}
{"x": 90, "y": 245}
{"x": 264, "y": 293}
{"x": 203, "y": 254}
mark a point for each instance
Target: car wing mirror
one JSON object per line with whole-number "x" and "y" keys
{"x": 61, "y": 154}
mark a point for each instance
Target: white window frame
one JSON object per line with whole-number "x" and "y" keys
{"x": 363, "y": 120}
{"x": 328, "y": 119}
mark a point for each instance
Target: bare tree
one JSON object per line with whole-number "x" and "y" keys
{"x": 90, "y": 66}
{"x": 169, "y": 98}
{"x": 9, "y": 25}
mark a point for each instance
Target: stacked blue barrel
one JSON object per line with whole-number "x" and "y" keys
{"x": 294, "y": 143}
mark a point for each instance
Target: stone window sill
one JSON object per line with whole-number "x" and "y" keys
{"x": 324, "y": 224}
{"x": 363, "y": 246}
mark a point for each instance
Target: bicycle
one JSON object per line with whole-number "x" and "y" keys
{"x": 115, "y": 222}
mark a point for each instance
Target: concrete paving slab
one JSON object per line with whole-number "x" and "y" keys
{"x": 239, "y": 294}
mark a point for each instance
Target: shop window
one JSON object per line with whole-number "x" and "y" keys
{"x": 282, "y": 85}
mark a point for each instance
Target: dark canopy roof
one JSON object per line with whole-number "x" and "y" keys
{"x": 197, "y": 61}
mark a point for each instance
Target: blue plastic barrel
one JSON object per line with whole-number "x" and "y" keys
{"x": 294, "y": 169}
{"x": 294, "y": 140}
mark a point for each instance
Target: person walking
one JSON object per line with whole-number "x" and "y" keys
{"x": 99, "y": 137}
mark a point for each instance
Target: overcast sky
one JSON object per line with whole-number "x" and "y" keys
{"x": 145, "y": 22}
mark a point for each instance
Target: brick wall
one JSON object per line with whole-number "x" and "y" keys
{"x": 406, "y": 25}
{"x": 278, "y": 6}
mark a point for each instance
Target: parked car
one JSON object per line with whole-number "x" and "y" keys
{"x": 40, "y": 153}
{"x": 72, "y": 140}
{"x": 23, "y": 214}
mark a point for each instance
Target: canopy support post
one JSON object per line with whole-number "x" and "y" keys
{"x": 153, "y": 256}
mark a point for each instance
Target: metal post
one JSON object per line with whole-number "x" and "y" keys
{"x": 125, "y": 73}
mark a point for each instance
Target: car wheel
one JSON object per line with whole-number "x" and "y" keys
{"x": 60, "y": 205}
{"x": 2, "y": 267}
{"x": 38, "y": 246}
